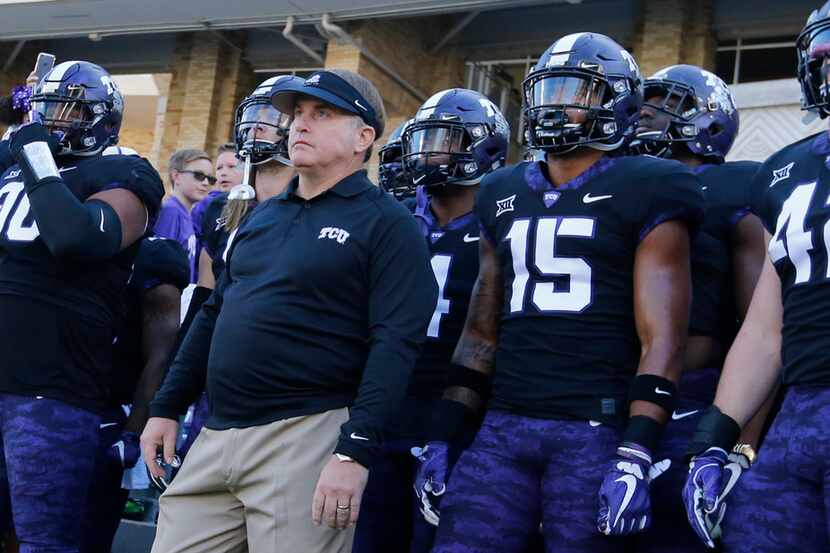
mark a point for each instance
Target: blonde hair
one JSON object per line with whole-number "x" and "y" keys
{"x": 366, "y": 89}
{"x": 180, "y": 159}
{"x": 233, "y": 213}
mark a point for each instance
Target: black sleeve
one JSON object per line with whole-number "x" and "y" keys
{"x": 185, "y": 380}
{"x": 673, "y": 195}
{"x": 402, "y": 297}
{"x": 161, "y": 261}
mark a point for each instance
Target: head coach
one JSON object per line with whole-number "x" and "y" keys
{"x": 306, "y": 345}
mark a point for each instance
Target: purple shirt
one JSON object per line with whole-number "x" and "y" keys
{"x": 174, "y": 222}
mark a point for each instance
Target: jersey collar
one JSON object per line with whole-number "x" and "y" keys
{"x": 426, "y": 218}
{"x": 354, "y": 184}
{"x": 537, "y": 179}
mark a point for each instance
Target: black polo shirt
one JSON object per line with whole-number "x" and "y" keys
{"x": 323, "y": 304}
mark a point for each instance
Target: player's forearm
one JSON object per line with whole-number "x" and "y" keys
{"x": 749, "y": 375}
{"x": 752, "y": 430}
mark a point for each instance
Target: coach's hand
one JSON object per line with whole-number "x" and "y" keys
{"x": 339, "y": 491}
{"x": 159, "y": 433}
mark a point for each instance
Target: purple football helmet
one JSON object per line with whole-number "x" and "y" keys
{"x": 687, "y": 106}
{"x": 812, "y": 47}
{"x": 457, "y": 137}
{"x": 391, "y": 175}
{"x": 80, "y": 104}
{"x": 586, "y": 90}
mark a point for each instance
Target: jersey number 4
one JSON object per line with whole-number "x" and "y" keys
{"x": 791, "y": 238}
{"x": 14, "y": 209}
{"x": 544, "y": 295}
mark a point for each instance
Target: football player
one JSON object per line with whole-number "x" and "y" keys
{"x": 261, "y": 134}
{"x": 690, "y": 116}
{"x": 457, "y": 137}
{"x": 142, "y": 349}
{"x": 71, "y": 221}
{"x": 779, "y": 505}
{"x": 391, "y": 175}
{"x": 579, "y": 312}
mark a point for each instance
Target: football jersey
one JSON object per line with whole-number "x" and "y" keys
{"x": 159, "y": 261}
{"x": 795, "y": 209}
{"x": 567, "y": 345}
{"x": 727, "y": 200}
{"x": 453, "y": 251}
{"x": 215, "y": 235}
{"x": 58, "y": 318}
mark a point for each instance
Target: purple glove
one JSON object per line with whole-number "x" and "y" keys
{"x": 431, "y": 478}
{"x": 624, "y": 501}
{"x": 706, "y": 488}
{"x": 126, "y": 450}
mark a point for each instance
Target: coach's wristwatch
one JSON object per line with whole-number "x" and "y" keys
{"x": 747, "y": 451}
{"x": 344, "y": 458}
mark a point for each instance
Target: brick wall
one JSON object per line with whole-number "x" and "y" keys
{"x": 675, "y": 31}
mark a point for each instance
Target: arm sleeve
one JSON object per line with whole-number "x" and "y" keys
{"x": 185, "y": 380}
{"x": 401, "y": 300}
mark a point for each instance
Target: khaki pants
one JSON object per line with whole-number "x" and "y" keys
{"x": 250, "y": 489}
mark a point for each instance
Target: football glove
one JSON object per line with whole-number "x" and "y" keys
{"x": 126, "y": 450}
{"x": 624, "y": 501}
{"x": 431, "y": 478}
{"x": 170, "y": 469}
{"x": 712, "y": 476}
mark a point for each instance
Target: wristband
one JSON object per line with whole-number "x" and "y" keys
{"x": 654, "y": 389}
{"x": 714, "y": 430}
{"x": 464, "y": 377}
{"x": 643, "y": 431}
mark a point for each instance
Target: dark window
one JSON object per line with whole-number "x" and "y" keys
{"x": 725, "y": 65}
{"x": 767, "y": 64}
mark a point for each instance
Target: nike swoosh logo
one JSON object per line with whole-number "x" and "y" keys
{"x": 106, "y": 424}
{"x": 630, "y": 482}
{"x": 102, "y": 221}
{"x": 734, "y": 474}
{"x": 675, "y": 416}
{"x": 357, "y": 103}
{"x": 661, "y": 392}
{"x": 419, "y": 179}
{"x": 65, "y": 169}
{"x": 588, "y": 199}
{"x": 468, "y": 238}
{"x": 356, "y": 437}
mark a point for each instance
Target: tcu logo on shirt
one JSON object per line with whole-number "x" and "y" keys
{"x": 334, "y": 233}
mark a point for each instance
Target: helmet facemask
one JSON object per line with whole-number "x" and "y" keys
{"x": 261, "y": 131}
{"x": 675, "y": 106}
{"x": 571, "y": 107}
{"x": 440, "y": 152}
{"x": 70, "y": 118}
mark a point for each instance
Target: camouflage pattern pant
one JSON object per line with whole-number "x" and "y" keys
{"x": 782, "y": 503}
{"x": 521, "y": 472}
{"x": 105, "y": 498}
{"x": 48, "y": 457}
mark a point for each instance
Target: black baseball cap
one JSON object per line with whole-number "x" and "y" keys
{"x": 330, "y": 88}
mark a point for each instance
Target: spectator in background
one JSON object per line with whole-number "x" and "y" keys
{"x": 191, "y": 176}
{"x": 229, "y": 168}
